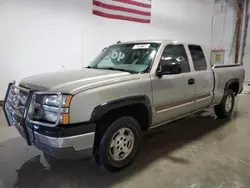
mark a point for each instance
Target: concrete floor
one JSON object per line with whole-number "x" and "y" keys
{"x": 195, "y": 152}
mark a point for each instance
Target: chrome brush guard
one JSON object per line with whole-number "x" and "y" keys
{"x": 19, "y": 108}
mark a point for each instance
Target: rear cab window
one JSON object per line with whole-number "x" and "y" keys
{"x": 198, "y": 57}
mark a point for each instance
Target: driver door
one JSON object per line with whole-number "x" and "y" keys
{"x": 173, "y": 93}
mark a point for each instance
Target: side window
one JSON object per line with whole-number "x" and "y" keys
{"x": 175, "y": 54}
{"x": 198, "y": 57}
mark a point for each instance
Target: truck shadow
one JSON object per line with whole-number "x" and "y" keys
{"x": 156, "y": 144}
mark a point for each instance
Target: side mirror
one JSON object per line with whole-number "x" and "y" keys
{"x": 169, "y": 65}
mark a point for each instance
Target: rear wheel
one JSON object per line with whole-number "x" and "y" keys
{"x": 119, "y": 144}
{"x": 225, "y": 108}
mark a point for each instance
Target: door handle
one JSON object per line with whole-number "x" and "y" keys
{"x": 191, "y": 81}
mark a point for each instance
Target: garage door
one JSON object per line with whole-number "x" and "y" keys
{"x": 246, "y": 57}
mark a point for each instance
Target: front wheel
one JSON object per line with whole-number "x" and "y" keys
{"x": 225, "y": 108}
{"x": 119, "y": 144}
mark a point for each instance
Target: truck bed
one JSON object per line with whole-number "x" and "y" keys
{"x": 224, "y": 74}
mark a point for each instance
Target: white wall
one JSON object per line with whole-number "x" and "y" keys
{"x": 39, "y": 36}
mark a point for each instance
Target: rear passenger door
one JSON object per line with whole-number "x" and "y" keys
{"x": 203, "y": 76}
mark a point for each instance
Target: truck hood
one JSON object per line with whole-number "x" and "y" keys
{"x": 75, "y": 81}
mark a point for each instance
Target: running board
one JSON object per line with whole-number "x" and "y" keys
{"x": 160, "y": 124}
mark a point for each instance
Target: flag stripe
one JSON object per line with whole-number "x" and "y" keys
{"x": 120, "y": 17}
{"x": 120, "y": 13}
{"x": 116, "y": 3}
{"x": 119, "y": 8}
{"x": 132, "y": 2}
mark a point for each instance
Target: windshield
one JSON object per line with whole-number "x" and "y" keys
{"x": 133, "y": 57}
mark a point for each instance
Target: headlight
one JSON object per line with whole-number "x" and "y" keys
{"x": 50, "y": 116}
{"x": 54, "y": 100}
{"x": 49, "y": 110}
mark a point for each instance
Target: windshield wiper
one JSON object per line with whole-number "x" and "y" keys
{"x": 118, "y": 69}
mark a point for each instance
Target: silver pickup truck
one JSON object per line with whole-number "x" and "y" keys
{"x": 128, "y": 89}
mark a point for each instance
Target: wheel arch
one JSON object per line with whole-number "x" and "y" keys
{"x": 104, "y": 110}
{"x": 101, "y": 110}
{"x": 233, "y": 84}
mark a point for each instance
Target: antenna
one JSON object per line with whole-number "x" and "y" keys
{"x": 64, "y": 67}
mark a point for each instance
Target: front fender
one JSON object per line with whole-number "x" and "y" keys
{"x": 84, "y": 105}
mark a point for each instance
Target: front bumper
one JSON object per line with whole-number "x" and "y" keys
{"x": 61, "y": 142}
{"x": 61, "y": 147}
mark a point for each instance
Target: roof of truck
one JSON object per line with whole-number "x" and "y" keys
{"x": 158, "y": 41}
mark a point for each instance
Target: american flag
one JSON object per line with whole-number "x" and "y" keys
{"x": 130, "y": 10}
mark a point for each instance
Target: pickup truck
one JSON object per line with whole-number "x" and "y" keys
{"x": 129, "y": 88}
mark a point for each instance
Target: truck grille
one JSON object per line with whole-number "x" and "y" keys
{"x": 15, "y": 103}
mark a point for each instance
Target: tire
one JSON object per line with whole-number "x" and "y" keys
{"x": 119, "y": 144}
{"x": 224, "y": 110}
